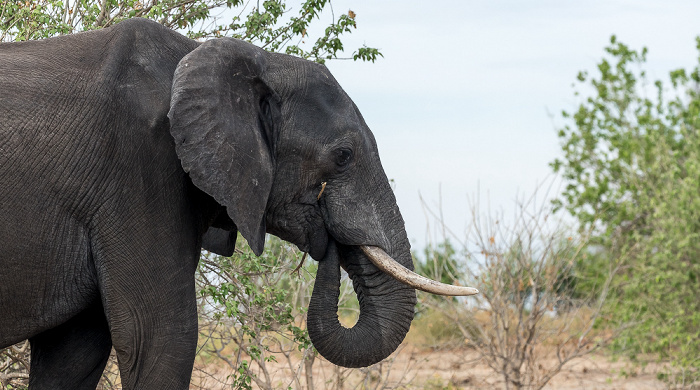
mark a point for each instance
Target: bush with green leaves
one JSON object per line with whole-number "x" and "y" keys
{"x": 252, "y": 309}
{"x": 631, "y": 163}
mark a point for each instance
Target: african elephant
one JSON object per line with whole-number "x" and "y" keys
{"x": 124, "y": 151}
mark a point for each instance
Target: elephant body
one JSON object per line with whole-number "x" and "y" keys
{"x": 92, "y": 193}
{"x": 124, "y": 151}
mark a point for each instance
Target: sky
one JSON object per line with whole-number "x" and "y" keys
{"x": 468, "y": 97}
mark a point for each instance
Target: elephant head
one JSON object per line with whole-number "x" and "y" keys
{"x": 276, "y": 141}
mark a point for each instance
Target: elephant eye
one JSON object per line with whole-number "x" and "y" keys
{"x": 343, "y": 157}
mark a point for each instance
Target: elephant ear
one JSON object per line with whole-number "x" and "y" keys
{"x": 220, "y": 133}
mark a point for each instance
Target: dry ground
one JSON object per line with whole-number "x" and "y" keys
{"x": 447, "y": 369}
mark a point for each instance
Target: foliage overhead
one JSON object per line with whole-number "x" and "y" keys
{"x": 272, "y": 25}
{"x": 631, "y": 161}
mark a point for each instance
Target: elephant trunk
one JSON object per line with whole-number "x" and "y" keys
{"x": 386, "y": 307}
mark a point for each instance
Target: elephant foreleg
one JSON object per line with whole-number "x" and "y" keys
{"x": 72, "y": 355}
{"x": 151, "y": 309}
{"x": 155, "y": 337}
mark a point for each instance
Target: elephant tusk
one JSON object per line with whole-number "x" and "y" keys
{"x": 385, "y": 263}
{"x": 323, "y": 187}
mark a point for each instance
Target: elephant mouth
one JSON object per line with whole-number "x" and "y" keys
{"x": 317, "y": 243}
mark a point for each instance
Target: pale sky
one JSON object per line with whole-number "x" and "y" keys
{"x": 469, "y": 94}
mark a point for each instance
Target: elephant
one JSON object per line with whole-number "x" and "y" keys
{"x": 126, "y": 151}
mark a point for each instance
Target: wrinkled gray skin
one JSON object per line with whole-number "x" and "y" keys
{"x": 124, "y": 151}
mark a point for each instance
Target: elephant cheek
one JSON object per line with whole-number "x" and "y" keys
{"x": 301, "y": 226}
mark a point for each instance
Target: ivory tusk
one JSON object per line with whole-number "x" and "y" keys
{"x": 385, "y": 263}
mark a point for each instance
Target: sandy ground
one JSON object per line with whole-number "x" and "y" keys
{"x": 447, "y": 369}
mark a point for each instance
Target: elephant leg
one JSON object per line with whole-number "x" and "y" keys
{"x": 150, "y": 304}
{"x": 154, "y": 332}
{"x": 72, "y": 355}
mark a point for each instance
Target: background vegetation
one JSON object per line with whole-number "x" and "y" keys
{"x": 623, "y": 279}
{"x": 631, "y": 164}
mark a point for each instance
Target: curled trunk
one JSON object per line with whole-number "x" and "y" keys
{"x": 386, "y": 308}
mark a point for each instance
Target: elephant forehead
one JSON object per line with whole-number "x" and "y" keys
{"x": 298, "y": 80}
{"x": 318, "y": 132}
{"x": 321, "y": 110}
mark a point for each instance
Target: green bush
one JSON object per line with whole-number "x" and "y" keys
{"x": 631, "y": 162}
